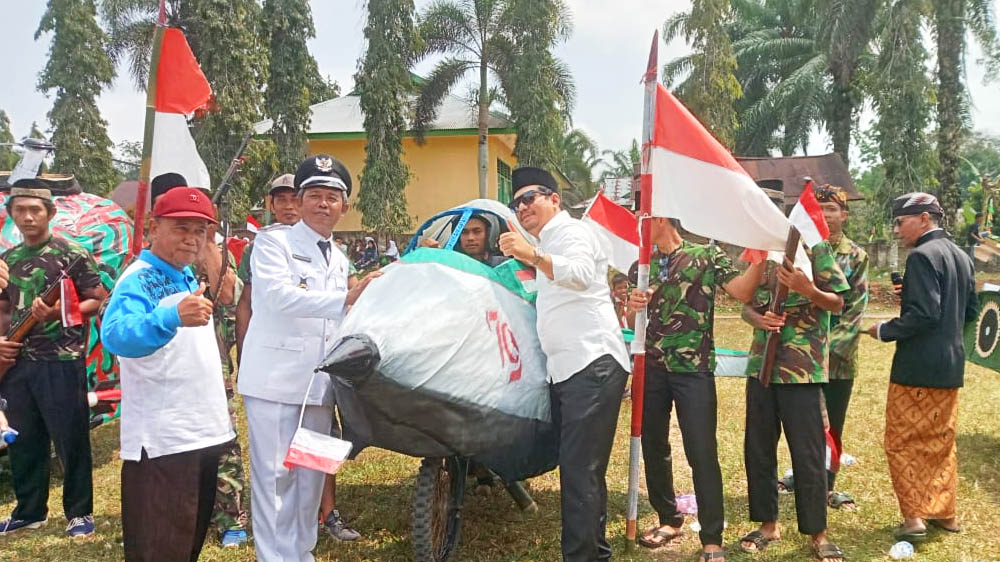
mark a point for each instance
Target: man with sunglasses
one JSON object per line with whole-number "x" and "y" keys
{"x": 587, "y": 361}
{"x": 938, "y": 298}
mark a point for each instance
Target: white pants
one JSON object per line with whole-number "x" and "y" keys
{"x": 285, "y": 504}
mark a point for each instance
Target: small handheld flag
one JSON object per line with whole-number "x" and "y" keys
{"x": 70, "y": 304}
{"x": 807, "y": 217}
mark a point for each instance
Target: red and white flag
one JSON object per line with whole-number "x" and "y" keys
{"x": 617, "y": 229}
{"x": 181, "y": 89}
{"x": 69, "y": 304}
{"x": 695, "y": 179}
{"x": 807, "y": 217}
{"x": 317, "y": 451}
{"x": 252, "y": 224}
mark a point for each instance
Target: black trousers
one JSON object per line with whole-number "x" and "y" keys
{"x": 838, "y": 397}
{"x": 797, "y": 409}
{"x": 585, "y": 409}
{"x": 695, "y": 399}
{"x": 167, "y": 504}
{"x": 47, "y": 401}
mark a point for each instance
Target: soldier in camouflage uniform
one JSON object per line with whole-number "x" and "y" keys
{"x": 230, "y": 514}
{"x": 46, "y": 386}
{"x": 680, "y": 365}
{"x": 844, "y": 327}
{"x": 793, "y": 401}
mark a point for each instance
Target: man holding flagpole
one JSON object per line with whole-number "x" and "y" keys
{"x": 790, "y": 398}
{"x": 680, "y": 367}
{"x": 587, "y": 361}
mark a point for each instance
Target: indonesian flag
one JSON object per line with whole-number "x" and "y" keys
{"x": 70, "y": 304}
{"x": 236, "y": 247}
{"x": 807, "y": 216}
{"x": 316, "y": 451}
{"x": 181, "y": 88}
{"x": 833, "y": 450}
{"x": 252, "y": 224}
{"x": 695, "y": 179}
{"x": 617, "y": 229}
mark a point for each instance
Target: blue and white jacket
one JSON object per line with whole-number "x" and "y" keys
{"x": 173, "y": 396}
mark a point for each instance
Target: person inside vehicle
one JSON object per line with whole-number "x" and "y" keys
{"x": 473, "y": 242}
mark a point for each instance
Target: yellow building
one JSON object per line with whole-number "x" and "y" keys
{"x": 444, "y": 171}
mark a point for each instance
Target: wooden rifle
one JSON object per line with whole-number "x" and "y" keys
{"x": 222, "y": 201}
{"x": 19, "y": 331}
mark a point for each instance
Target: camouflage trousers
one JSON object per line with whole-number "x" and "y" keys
{"x": 232, "y": 494}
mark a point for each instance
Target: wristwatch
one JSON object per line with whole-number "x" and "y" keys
{"x": 3, "y": 405}
{"x": 539, "y": 256}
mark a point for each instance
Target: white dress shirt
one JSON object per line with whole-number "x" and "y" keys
{"x": 576, "y": 319}
{"x": 298, "y": 304}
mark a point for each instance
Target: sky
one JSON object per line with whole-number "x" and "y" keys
{"x": 606, "y": 53}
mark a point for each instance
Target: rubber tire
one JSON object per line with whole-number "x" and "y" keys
{"x": 426, "y": 502}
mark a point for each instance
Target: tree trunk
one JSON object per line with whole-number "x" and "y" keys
{"x": 949, "y": 19}
{"x": 484, "y": 115}
{"x": 842, "y": 112}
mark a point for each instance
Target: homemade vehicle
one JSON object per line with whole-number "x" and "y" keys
{"x": 440, "y": 360}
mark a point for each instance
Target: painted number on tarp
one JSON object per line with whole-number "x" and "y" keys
{"x": 510, "y": 355}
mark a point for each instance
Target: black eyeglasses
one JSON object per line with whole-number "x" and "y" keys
{"x": 528, "y": 197}
{"x": 898, "y": 221}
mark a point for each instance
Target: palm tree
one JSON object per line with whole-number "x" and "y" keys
{"x": 623, "y": 163}
{"x": 577, "y": 159}
{"x": 797, "y": 63}
{"x": 952, "y": 20}
{"x": 478, "y": 36}
{"x": 130, "y": 26}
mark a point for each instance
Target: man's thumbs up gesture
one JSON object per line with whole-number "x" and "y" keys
{"x": 195, "y": 310}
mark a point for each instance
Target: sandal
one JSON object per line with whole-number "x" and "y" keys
{"x": 658, "y": 532}
{"x": 712, "y": 555}
{"x": 786, "y": 485}
{"x": 758, "y": 540}
{"x": 914, "y": 536}
{"x": 828, "y": 550}
{"x": 940, "y": 525}
{"x": 841, "y": 500}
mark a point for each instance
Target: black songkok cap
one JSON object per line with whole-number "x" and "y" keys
{"x": 323, "y": 170}
{"x": 527, "y": 175}
{"x": 164, "y": 183}
{"x": 916, "y": 203}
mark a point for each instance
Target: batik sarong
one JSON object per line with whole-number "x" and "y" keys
{"x": 920, "y": 448}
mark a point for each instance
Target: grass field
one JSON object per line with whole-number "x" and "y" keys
{"x": 375, "y": 492}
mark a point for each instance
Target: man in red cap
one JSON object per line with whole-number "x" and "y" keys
{"x": 174, "y": 422}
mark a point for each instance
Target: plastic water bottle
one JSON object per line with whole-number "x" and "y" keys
{"x": 901, "y": 551}
{"x": 8, "y": 435}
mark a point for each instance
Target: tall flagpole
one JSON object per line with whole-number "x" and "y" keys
{"x": 147, "y": 138}
{"x": 645, "y": 250}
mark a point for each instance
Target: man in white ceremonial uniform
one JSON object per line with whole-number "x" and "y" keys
{"x": 300, "y": 295}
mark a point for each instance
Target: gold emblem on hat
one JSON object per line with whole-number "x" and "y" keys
{"x": 324, "y": 164}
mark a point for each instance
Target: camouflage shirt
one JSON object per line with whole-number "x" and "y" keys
{"x": 844, "y": 327}
{"x": 679, "y": 335}
{"x": 32, "y": 270}
{"x": 804, "y": 345}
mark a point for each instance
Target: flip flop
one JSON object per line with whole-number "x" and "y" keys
{"x": 937, "y": 523}
{"x": 828, "y": 550}
{"x": 667, "y": 537}
{"x": 758, "y": 539}
{"x": 842, "y": 500}
{"x": 915, "y": 536}
{"x": 786, "y": 485}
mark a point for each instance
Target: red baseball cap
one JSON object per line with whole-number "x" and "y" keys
{"x": 181, "y": 202}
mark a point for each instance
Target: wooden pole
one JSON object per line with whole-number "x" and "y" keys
{"x": 778, "y": 307}
{"x": 639, "y": 342}
{"x": 142, "y": 193}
